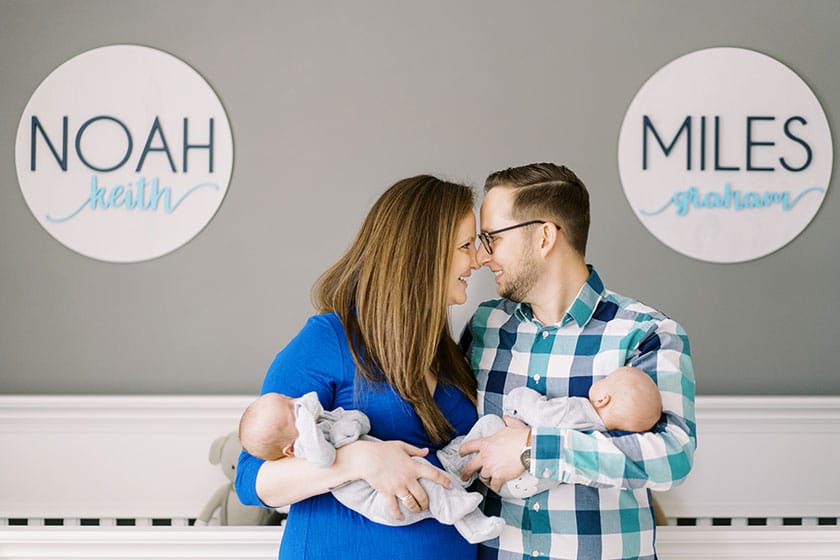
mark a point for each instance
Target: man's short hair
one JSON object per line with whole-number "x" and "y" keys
{"x": 545, "y": 191}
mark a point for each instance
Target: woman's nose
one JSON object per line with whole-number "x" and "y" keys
{"x": 482, "y": 257}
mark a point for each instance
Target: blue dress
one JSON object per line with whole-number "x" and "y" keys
{"x": 318, "y": 359}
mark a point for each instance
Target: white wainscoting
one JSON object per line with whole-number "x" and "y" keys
{"x": 763, "y": 457}
{"x": 111, "y": 457}
{"x": 143, "y": 460}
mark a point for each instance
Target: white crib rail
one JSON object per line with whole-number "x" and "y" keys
{"x": 261, "y": 543}
{"x": 756, "y": 543}
{"x": 140, "y": 543}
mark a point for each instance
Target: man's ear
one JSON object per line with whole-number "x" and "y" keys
{"x": 548, "y": 236}
{"x": 602, "y": 401}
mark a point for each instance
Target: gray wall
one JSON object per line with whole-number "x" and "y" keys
{"x": 330, "y": 102}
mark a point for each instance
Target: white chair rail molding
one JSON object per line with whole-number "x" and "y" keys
{"x": 125, "y": 477}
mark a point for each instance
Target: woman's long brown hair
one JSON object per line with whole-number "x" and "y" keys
{"x": 390, "y": 291}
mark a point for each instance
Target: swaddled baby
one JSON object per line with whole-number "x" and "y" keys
{"x": 276, "y": 426}
{"x": 627, "y": 399}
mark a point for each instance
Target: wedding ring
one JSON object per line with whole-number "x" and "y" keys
{"x": 483, "y": 478}
{"x": 405, "y": 498}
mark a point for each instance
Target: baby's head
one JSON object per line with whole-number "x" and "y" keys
{"x": 267, "y": 428}
{"x": 627, "y": 399}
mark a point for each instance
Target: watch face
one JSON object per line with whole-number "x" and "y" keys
{"x": 525, "y": 458}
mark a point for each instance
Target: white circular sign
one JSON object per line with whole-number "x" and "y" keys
{"x": 725, "y": 155}
{"x": 124, "y": 153}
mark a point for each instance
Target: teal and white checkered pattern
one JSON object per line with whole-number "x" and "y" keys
{"x": 604, "y": 512}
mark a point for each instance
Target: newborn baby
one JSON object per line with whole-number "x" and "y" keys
{"x": 627, "y": 399}
{"x": 276, "y": 426}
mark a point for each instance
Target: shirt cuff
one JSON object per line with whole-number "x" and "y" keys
{"x": 546, "y": 453}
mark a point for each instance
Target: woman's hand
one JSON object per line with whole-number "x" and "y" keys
{"x": 389, "y": 468}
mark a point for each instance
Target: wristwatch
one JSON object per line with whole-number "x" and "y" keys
{"x": 525, "y": 454}
{"x": 525, "y": 458}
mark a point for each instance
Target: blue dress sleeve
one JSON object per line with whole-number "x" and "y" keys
{"x": 316, "y": 359}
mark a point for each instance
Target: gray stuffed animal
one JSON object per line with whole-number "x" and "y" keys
{"x": 224, "y": 451}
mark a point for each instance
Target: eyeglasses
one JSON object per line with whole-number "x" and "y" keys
{"x": 486, "y": 237}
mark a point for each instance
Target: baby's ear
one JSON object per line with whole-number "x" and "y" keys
{"x": 602, "y": 401}
{"x": 289, "y": 450}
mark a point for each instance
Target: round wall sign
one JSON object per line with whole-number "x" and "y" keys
{"x": 725, "y": 155}
{"x": 124, "y": 153}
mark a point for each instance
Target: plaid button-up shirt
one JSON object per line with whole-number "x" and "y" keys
{"x": 604, "y": 510}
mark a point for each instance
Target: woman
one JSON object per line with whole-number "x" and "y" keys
{"x": 381, "y": 345}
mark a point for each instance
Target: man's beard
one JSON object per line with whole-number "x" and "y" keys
{"x": 519, "y": 284}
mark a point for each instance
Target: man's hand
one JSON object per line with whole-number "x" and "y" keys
{"x": 497, "y": 457}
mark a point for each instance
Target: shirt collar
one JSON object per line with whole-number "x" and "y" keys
{"x": 581, "y": 309}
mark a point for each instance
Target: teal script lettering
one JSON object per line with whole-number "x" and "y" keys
{"x": 729, "y": 198}
{"x": 139, "y": 196}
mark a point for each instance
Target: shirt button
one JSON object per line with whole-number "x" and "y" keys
{"x": 536, "y": 507}
{"x": 544, "y": 335}
{"x": 535, "y": 553}
{"x": 546, "y": 474}
{"x": 537, "y": 378}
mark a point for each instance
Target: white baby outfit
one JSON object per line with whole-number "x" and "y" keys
{"x": 321, "y": 432}
{"x": 534, "y": 409}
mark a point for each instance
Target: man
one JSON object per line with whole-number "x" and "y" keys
{"x": 557, "y": 331}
